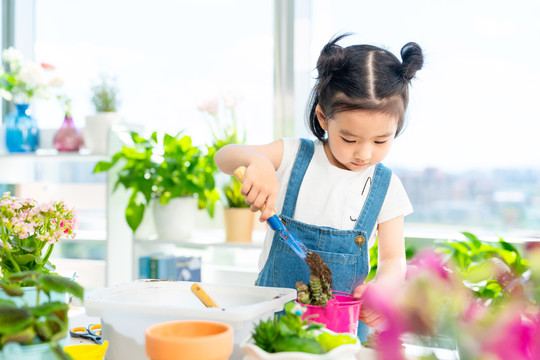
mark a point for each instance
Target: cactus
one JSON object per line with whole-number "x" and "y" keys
{"x": 316, "y": 293}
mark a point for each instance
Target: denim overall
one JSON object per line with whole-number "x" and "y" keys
{"x": 344, "y": 251}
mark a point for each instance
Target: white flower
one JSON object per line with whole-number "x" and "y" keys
{"x": 11, "y": 54}
{"x": 32, "y": 74}
{"x": 6, "y": 95}
{"x": 56, "y": 81}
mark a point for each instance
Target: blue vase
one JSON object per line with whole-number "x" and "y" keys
{"x": 22, "y": 133}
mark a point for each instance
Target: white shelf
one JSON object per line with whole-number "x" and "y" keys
{"x": 81, "y": 155}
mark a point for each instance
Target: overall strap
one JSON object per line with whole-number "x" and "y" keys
{"x": 301, "y": 163}
{"x": 372, "y": 206}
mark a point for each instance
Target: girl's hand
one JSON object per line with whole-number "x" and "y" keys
{"x": 370, "y": 317}
{"x": 260, "y": 187}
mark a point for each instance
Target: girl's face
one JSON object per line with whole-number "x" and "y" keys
{"x": 357, "y": 139}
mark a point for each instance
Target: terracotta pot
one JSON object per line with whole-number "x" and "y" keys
{"x": 189, "y": 339}
{"x": 239, "y": 224}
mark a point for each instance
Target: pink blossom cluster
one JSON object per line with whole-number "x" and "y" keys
{"x": 23, "y": 218}
{"x": 434, "y": 300}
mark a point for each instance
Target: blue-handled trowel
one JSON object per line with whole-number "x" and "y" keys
{"x": 275, "y": 224}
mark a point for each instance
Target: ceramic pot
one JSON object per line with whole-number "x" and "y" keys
{"x": 239, "y": 224}
{"x": 175, "y": 220}
{"x": 96, "y": 131}
{"x": 30, "y": 297}
{"x": 189, "y": 339}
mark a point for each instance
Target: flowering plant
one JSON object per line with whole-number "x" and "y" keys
{"x": 225, "y": 131}
{"x": 26, "y": 228}
{"x": 438, "y": 298}
{"x": 22, "y": 80}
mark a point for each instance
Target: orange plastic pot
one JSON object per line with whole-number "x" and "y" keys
{"x": 189, "y": 339}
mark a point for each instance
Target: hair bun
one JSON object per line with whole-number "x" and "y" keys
{"x": 332, "y": 59}
{"x": 413, "y": 60}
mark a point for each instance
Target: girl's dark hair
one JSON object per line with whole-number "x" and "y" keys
{"x": 362, "y": 77}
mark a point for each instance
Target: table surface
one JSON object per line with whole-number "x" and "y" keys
{"x": 78, "y": 318}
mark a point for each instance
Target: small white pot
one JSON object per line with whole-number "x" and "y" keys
{"x": 175, "y": 221}
{"x": 96, "y": 131}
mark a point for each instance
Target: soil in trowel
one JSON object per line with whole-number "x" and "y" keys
{"x": 319, "y": 268}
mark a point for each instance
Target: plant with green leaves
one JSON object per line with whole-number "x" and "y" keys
{"x": 39, "y": 322}
{"x": 29, "y": 231}
{"x": 491, "y": 270}
{"x": 290, "y": 333}
{"x": 163, "y": 169}
{"x": 233, "y": 196}
{"x": 105, "y": 95}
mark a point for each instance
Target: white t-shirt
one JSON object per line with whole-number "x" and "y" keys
{"x": 333, "y": 197}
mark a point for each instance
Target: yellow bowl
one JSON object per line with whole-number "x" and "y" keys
{"x": 87, "y": 352}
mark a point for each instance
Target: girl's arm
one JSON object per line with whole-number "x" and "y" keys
{"x": 392, "y": 265}
{"x": 260, "y": 186}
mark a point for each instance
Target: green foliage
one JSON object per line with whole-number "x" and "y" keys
{"x": 234, "y": 197}
{"x": 36, "y": 323}
{"x": 164, "y": 169}
{"x": 290, "y": 333}
{"x": 105, "y": 95}
{"x": 488, "y": 269}
{"x": 29, "y": 231}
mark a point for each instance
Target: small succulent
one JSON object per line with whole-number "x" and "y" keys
{"x": 290, "y": 333}
{"x": 316, "y": 293}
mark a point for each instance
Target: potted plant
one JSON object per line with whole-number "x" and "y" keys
{"x": 238, "y": 218}
{"x": 484, "y": 296}
{"x": 97, "y": 126}
{"x": 28, "y": 232}
{"x": 21, "y": 82}
{"x": 165, "y": 171}
{"x": 292, "y": 337}
{"x": 35, "y": 329}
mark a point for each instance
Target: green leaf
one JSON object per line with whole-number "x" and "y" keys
{"x": 103, "y": 166}
{"x": 11, "y": 289}
{"x": 134, "y": 212}
{"x": 25, "y": 259}
{"x": 472, "y": 239}
{"x": 13, "y": 318}
{"x": 60, "y": 284}
{"x": 23, "y": 336}
{"x": 48, "y": 308}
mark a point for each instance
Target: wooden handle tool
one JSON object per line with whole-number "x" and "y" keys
{"x": 202, "y": 295}
{"x": 275, "y": 223}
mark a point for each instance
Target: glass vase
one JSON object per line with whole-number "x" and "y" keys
{"x": 22, "y": 133}
{"x": 67, "y": 138}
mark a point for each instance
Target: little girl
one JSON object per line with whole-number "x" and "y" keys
{"x": 333, "y": 193}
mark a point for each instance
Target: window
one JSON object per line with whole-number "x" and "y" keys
{"x": 166, "y": 57}
{"x": 468, "y": 157}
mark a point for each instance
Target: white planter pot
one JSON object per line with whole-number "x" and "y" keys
{"x": 175, "y": 221}
{"x": 96, "y": 131}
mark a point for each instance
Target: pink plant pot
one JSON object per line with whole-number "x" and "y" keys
{"x": 339, "y": 315}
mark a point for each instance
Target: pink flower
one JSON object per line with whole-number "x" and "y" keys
{"x": 210, "y": 105}
{"x": 518, "y": 339}
{"x": 47, "y": 66}
{"x": 428, "y": 260}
